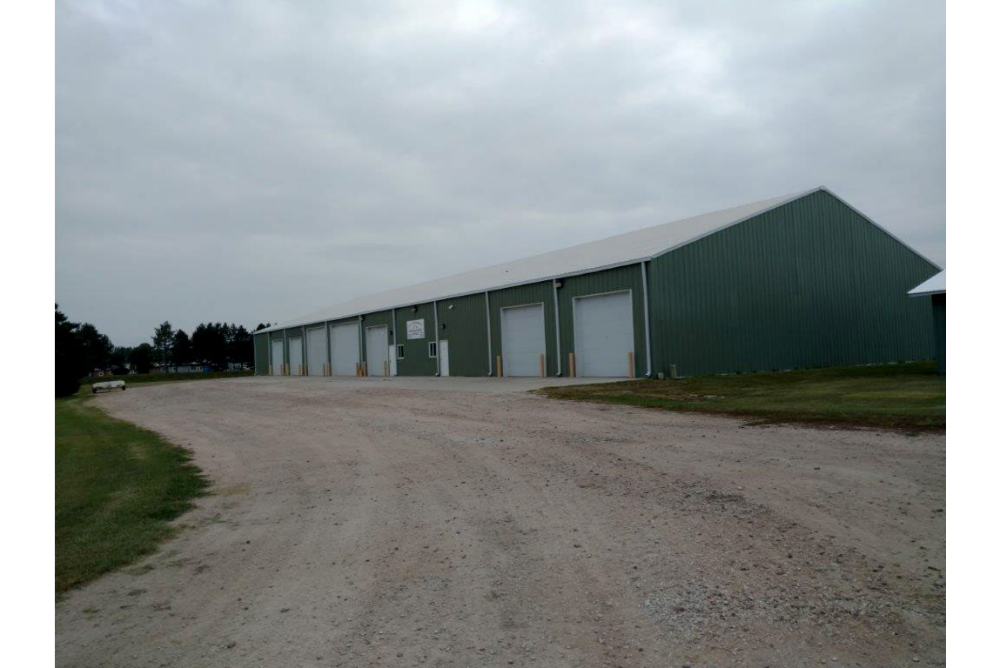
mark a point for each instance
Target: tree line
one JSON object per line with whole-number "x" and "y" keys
{"x": 81, "y": 348}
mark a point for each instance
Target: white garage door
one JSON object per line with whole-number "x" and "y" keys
{"x": 295, "y": 356}
{"x": 316, "y": 349}
{"x": 603, "y": 326}
{"x": 344, "y": 342}
{"x": 377, "y": 350}
{"x": 523, "y": 339}
{"x": 277, "y": 357}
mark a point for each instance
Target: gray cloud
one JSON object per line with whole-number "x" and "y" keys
{"x": 249, "y": 161}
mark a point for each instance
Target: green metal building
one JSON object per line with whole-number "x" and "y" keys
{"x": 935, "y": 288}
{"x": 798, "y": 281}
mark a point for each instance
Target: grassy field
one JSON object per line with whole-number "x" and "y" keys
{"x": 117, "y": 488}
{"x": 899, "y": 396}
{"x": 136, "y": 378}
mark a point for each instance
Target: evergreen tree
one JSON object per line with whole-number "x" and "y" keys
{"x": 68, "y": 364}
{"x": 182, "y": 352}
{"x": 142, "y": 357}
{"x": 163, "y": 342}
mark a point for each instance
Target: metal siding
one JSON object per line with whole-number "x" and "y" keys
{"x": 938, "y": 307}
{"x": 611, "y": 280}
{"x": 261, "y": 354}
{"x": 811, "y": 283}
{"x": 463, "y": 324}
{"x": 416, "y": 361}
{"x": 518, "y": 296}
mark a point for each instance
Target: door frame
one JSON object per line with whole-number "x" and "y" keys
{"x": 576, "y": 327}
{"x": 503, "y": 338}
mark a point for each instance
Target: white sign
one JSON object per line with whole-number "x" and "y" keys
{"x": 415, "y": 329}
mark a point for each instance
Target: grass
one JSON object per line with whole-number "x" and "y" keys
{"x": 136, "y": 378}
{"x": 896, "y": 396}
{"x": 117, "y": 489}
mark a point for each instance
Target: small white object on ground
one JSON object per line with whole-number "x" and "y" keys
{"x": 109, "y": 385}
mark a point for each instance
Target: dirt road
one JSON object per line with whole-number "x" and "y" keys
{"x": 368, "y": 524}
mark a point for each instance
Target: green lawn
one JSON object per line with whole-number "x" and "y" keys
{"x": 136, "y": 378}
{"x": 117, "y": 488}
{"x": 898, "y": 396}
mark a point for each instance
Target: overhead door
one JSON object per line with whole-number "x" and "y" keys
{"x": 344, "y": 343}
{"x": 277, "y": 356}
{"x": 316, "y": 349}
{"x": 603, "y": 333}
{"x": 523, "y": 340}
{"x": 295, "y": 356}
{"x": 377, "y": 350}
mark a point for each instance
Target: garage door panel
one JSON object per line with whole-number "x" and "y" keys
{"x": 295, "y": 356}
{"x": 523, "y": 332}
{"x": 277, "y": 357}
{"x": 604, "y": 335}
{"x": 316, "y": 349}
{"x": 344, "y": 342}
{"x": 377, "y": 350}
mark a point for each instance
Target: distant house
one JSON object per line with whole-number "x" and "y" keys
{"x": 934, "y": 287}
{"x": 179, "y": 368}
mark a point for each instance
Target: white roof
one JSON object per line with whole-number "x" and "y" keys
{"x": 932, "y": 286}
{"x": 616, "y": 251}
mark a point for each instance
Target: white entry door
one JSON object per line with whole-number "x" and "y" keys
{"x": 344, "y": 342}
{"x": 443, "y": 357}
{"x": 316, "y": 349}
{"x": 295, "y": 356}
{"x": 523, "y": 339}
{"x": 277, "y": 356}
{"x": 603, "y": 334}
{"x": 377, "y": 350}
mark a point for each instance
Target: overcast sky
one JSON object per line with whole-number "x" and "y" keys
{"x": 252, "y": 161}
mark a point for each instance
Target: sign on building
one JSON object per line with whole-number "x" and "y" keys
{"x": 415, "y": 329}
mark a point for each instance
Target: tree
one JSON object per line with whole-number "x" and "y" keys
{"x": 208, "y": 342}
{"x": 182, "y": 353}
{"x": 241, "y": 346}
{"x": 262, "y": 326}
{"x": 163, "y": 342}
{"x": 68, "y": 365}
{"x": 119, "y": 357}
{"x": 95, "y": 348}
{"x": 142, "y": 357}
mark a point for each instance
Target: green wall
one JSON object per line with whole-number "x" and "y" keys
{"x": 938, "y": 307}
{"x": 416, "y": 357}
{"x": 811, "y": 283}
{"x": 260, "y": 354}
{"x": 463, "y": 324}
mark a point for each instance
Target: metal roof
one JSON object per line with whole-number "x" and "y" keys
{"x": 616, "y": 251}
{"x": 932, "y": 286}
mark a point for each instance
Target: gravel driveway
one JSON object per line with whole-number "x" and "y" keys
{"x": 443, "y": 524}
